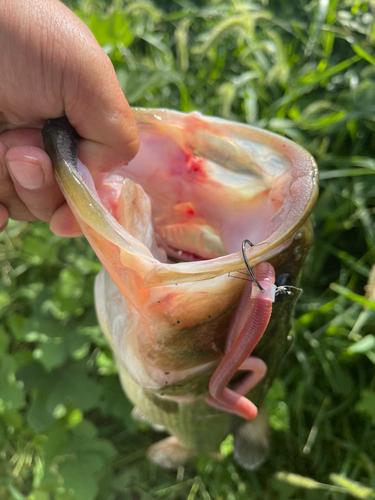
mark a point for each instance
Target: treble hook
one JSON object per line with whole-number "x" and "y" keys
{"x": 247, "y": 264}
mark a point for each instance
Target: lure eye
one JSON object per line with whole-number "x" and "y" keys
{"x": 284, "y": 279}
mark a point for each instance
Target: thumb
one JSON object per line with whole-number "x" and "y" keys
{"x": 96, "y": 106}
{"x": 103, "y": 118}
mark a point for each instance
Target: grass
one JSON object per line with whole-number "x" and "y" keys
{"x": 304, "y": 70}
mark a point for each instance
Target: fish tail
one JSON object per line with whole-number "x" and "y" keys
{"x": 251, "y": 440}
{"x": 169, "y": 453}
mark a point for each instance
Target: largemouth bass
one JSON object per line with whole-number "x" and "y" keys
{"x": 168, "y": 229}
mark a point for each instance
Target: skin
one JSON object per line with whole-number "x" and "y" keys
{"x": 51, "y": 65}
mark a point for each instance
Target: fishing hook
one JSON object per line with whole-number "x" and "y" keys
{"x": 247, "y": 264}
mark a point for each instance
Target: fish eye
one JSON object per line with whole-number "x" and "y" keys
{"x": 284, "y": 279}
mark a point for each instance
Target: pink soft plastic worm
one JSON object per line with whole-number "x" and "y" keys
{"x": 248, "y": 325}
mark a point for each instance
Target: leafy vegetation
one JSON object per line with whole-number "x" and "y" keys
{"x": 305, "y": 70}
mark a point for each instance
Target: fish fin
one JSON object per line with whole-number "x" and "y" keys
{"x": 137, "y": 415}
{"x": 251, "y": 440}
{"x": 169, "y": 453}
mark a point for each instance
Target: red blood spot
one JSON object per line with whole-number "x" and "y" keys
{"x": 195, "y": 166}
{"x": 184, "y": 208}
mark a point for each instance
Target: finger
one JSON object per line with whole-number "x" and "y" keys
{"x": 8, "y": 195}
{"x": 66, "y": 71}
{"x": 4, "y": 216}
{"x": 63, "y": 223}
{"x": 109, "y": 136}
{"x": 99, "y": 112}
{"x": 9, "y": 198}
{"x": 22, "y": 137}
{"x": 31, "y": 171}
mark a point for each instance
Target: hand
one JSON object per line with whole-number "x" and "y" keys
{"x": 51, "y": 65}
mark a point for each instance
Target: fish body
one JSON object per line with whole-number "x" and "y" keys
{"x": 168, "y": 229}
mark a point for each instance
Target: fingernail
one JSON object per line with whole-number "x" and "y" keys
{"x": 28, "y": 175}
{"x": 64, "y": 234}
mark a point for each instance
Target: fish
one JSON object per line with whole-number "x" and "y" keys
{"x": 177, "y": 230}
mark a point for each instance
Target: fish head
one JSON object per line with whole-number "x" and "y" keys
{"x": 168, "y": 228}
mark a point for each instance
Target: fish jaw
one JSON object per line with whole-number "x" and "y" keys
{"x": 163, "y": 343}
{"x": 188, "y": 165}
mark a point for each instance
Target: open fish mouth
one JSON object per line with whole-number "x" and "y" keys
{"x": 211, "y": 184}
{"x": 177, "y": 215}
